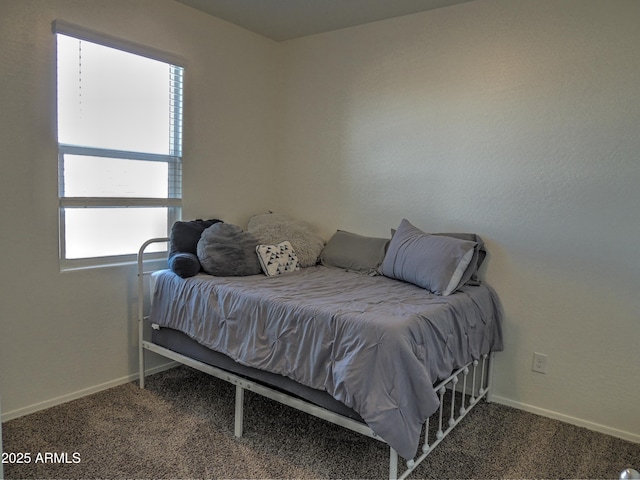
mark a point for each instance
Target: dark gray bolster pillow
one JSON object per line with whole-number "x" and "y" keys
{"x": 184, "y": 264}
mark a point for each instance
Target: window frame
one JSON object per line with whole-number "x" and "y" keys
{"x": 173, "y": 202}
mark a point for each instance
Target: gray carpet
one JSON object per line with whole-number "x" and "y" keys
{"x": 181, "y": 426}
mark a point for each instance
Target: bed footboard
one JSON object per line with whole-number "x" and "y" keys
{"x": 458, "y": 393}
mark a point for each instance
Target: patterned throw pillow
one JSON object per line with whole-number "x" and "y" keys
{"x": 277, "y": 259}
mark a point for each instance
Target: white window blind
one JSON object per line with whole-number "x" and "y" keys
{"x": 119, "y": 144}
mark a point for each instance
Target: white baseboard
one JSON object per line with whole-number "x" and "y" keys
{"x": 631, "y": 437}
{"x": 36, "y": 407}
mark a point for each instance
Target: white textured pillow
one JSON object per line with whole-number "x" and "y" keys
{"x": 277, "y": 259}
{"x": 437, "y": 263}
{"x": 303, "y": 237}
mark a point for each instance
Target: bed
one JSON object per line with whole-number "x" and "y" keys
{"x": 372, "y": 353}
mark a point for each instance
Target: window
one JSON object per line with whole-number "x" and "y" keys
{"x": 119, "y": 145}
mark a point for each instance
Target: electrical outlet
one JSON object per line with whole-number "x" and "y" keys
{"x": 539, "y": 362}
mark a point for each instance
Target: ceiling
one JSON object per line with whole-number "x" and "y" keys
{"x": 286, "y": 19}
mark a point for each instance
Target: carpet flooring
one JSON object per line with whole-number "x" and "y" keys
{"x": 181, "y": 426}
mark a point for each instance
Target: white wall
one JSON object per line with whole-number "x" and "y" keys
{"x": 515, "y": 120}
{"x": 63, "y": 334}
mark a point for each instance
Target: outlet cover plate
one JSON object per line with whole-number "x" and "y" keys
{"x": 539, "y": 363}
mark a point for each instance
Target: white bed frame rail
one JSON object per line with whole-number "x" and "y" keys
{"x": 466, "y": 387}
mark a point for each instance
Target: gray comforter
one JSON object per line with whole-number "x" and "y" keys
{"x": 376, "y": 344}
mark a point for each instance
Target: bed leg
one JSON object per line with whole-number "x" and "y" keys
{"x": 393, "y": 464}
{"x": 489, "y": 397}
{"x": 140, "y": 355}
{"x": 239, "y": 411}
{"x": 141, "y": 375}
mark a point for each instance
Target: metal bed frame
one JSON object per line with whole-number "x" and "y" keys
{"x": 463, "y": 395}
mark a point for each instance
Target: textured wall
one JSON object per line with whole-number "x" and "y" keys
{"x": 515, "y": 120}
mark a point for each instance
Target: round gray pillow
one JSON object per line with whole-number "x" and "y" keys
{"x": 225, "y": 250}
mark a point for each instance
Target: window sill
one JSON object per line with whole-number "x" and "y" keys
{"x": 109, "y": 262}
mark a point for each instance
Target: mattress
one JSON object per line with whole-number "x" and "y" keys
{"x": 374, "y": 344}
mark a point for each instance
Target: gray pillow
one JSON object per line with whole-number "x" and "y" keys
{"x": 472, "y": 237}
{"x": 225, "y": 250}
{"x": 354, "y": 252}
{"x": 437, "y": 263}
{"x": 481, "y": 253}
